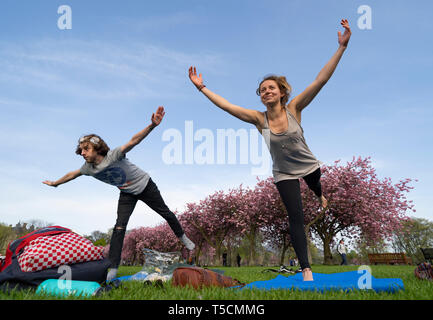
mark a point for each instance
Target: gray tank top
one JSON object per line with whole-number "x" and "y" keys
{"x": 292, "y": 159}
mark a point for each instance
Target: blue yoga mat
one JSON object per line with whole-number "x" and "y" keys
{"x": 138, "y": 276}
{"x": 352, "y": 280}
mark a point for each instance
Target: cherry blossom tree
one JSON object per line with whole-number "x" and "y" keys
{"x": 216, "y": 217}
{"x": 250, "y": 218}
{"x": 273, "y": 216}
{"x": 160, "y": 238}
{"x": 187, "y": 220}
{"x": 359, "y": 204}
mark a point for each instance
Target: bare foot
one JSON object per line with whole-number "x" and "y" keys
{"x": 323, "y": 202}
{"x": 307, "y": 274}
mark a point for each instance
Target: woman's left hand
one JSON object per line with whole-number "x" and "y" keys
{"x": 343, "y": 39}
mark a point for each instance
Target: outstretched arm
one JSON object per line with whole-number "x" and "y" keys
{"x": 138, "y": 137}
{"x": 247, "y": 115}
{"x": 66, "y": 178}
{"x": 302, "y": 100}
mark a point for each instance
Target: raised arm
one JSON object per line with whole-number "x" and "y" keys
{"x": 66, "y": 178}
{"x": 247, "y": 115}
{"x": 302, "y": 100}
{"x": 138, "y": 137}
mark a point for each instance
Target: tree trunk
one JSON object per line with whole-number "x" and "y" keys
{"x": 218, "y": 259}
{"x": 252, "y": 240}
{"x": 252, "y": 250}
{"x": 283, "y": 251}
{"x": 327, "y": 251}
{"x": 229, "y": 254}
{"x": 310, "y": 259}
{"x": 198, "y": 252}
{"x": 307, "y": 234}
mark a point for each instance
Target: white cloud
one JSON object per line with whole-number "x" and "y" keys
{"x": 98, "y": 69}
{"x": 163, "y": 22}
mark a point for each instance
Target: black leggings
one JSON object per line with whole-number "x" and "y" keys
{"x": 127, "y": 201}
{"x": 290, "y": 192}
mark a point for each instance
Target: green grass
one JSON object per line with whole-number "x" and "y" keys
{"x": 414, "y": 289}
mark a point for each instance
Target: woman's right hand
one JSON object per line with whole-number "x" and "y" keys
{"x": 247, "y": 115}
{"x": 196, "y": 80}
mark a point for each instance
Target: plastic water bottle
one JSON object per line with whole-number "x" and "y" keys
{"x": 65, "y": 288}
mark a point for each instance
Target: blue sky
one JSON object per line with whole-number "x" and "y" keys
{"x": 122, "y": 59}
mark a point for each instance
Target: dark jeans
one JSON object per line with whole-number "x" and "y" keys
{"x": 290, "y": 192}
{"x": 344, "y": 260}
{"x": 127, "y": 201}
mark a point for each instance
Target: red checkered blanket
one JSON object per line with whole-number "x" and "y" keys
{"x": 56, "y": 250}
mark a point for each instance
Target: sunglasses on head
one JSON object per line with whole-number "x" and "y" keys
{"x": 94, "y": 140}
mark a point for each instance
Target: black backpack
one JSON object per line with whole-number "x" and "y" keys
{"x": 11, "y": 275}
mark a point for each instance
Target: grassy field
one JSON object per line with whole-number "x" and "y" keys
{"x": 414, "y": 289}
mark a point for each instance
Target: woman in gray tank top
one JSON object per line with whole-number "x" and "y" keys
{"x": 281, "y": 127}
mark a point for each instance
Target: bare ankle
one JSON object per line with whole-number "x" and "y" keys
{"x": 307, "y": 274}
